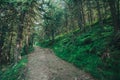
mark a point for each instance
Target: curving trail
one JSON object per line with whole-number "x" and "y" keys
{"x": 44, "y": 65}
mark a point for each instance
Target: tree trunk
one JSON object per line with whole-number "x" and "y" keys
{"x": 9, "y": 50}
{"x": 89, "y": 12}
{"x": 19, "y": 36}
{"x": 114, "y": 15}
{"x": 99, "y": 13}
{"x": 79, "y": 13}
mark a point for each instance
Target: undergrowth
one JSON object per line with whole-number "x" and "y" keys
{"x": 16, "y": 71}
{"x": 94, "y": 51}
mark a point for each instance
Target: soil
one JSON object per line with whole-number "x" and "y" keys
{"x": 43, "y": 64}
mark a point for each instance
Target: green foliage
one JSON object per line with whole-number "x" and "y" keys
{"x": 15, "y": 72}
{"x": 15, "y": 17}
{"x": 87, "y": 49}
{"x": 11, "y": 1}
{"x": 52, "y": 20}
{"x": 25, "y": 50}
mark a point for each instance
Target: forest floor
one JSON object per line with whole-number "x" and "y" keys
{"x": 44, "y": 65}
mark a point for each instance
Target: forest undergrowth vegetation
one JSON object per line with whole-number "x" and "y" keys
{"x": 16, "y": 71}
{"x": 95, "y": 51}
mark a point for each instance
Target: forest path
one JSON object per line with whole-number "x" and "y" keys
{"x": 44, "y": 65}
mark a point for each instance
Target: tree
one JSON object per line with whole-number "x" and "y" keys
{"x": 16, "y": 18}
{"x": 115, "y": 13}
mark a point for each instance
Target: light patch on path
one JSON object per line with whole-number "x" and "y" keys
{"x": 44, "y": 65}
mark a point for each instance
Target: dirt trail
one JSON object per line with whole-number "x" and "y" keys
{"x": 44, "y": 65}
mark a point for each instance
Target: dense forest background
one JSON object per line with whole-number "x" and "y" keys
{"x": 85, "y": 33}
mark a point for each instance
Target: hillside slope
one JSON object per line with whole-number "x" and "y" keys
{"x": 96, "y": 51}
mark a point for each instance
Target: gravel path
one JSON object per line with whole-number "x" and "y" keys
{"x": 44, "y": 65}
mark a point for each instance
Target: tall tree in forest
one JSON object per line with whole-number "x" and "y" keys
{"x": 99, "y": 12}
{"x": 115, "y": 13}
{"x": 16, "y": 17}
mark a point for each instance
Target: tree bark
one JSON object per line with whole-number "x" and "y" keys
{"x": 99, "y": 13}
{"x": 19, "y": 36}
{"x": 115, "y": 17}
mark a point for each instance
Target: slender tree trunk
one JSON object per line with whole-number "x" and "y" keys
{"x": 99, "y": 12}
{"x": 105, "y": 5}
{"x": 10, "y": 45}
{"x": 2, "y": 40}
{"x": 115, "y": 18}
{"x": 83, "y": 15}
{"x": 79, "y": 13}
{"x": 19, "y": 36}
{"x": 90, "y": 17}
{"x": 52, "y": 35}
{"x": 91, "y": 20}
{"x": 118, "y": 12}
